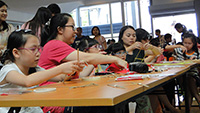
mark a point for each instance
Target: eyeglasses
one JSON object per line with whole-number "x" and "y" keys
{"x": 34, "y": 50}
{"x": 121, "y": 53}
{"x": 95, "y": 47}
{"x": 73, "y": 27}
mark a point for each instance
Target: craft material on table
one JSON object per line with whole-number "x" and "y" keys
{"x": 8, "y": 91}
{"x": 82, "y": 86}
{"x": 92, "y": 78}
{"x": 41, "y": 90}
{"x": 115, "y": 86}
{"x": 141, "y": 84}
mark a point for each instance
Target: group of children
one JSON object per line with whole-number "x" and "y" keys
{"x": 22, "y": 56}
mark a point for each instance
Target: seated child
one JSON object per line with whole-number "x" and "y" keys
{"x": 90, "y": 45}
{"x": 118, "y": 50}
{"x": 22, "y": 55}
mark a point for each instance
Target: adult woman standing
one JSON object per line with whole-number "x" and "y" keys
{"x": 37, "y": 23}
{"x": 5, "y": 28}
{"x": 97, "y": 36}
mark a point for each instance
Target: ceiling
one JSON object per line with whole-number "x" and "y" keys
{"x": 31, "y": 6}
{"x": 23, "y": 10}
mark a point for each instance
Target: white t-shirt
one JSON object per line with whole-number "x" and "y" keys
{"x": 4, "y": 71}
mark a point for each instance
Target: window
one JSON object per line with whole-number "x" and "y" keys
{"x": 74, "y": 16}
{"x": 107, "y": 16}
{"x": 116, "y": 19}
{"x": 131, "y": 14}
{"x": 166, "y": 24}
{"x": 145, "y": 15}
{"x": 97, "y": 15}
{"x": 94, "y": 15}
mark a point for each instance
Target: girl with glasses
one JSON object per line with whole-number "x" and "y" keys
{"x": 118, "y": 50}
{"x": 20, "y": 69}
{"x": 90, "y": 45}
{"x": 58, "y": 50}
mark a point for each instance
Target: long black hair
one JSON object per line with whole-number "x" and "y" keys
{"x": 59, "y": 20}
{"x": 142, "y": 34}
{"x": 121, "y": 33}
{"x": 114, "y": 48}
{"x": 41, "y": 17}
{"x": 5, "y": 25}
{"x": 179, "y": 25}
{"x": 54, "y": 8}
{"x": 85, "y": 44}
{"x": 16, "y": 39}
{"x": 194, "y": 41}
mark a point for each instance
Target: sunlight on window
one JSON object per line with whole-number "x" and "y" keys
{"x": 145, "y": 15}
{"x": 94, "y": 15}
{"x": 166, "y": 24}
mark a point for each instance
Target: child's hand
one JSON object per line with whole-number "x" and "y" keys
{"x": 103, "y": 52}
{"x": 184, "y": 49}
{"x": 121, "y": 63}
{"x": 137, "y": 45}
{"x": 72, "y": 66}
{"x": 193, "y": 57}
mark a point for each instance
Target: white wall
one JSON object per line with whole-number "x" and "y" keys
{"x": 70, "y": 6}
{"x": 18, "y": 16}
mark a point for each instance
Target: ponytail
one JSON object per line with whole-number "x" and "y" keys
{"x": 7, "y": 55}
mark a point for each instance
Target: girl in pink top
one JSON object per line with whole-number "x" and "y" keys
{"x": 57, "y": 50}
{"x": 37, "y": 23}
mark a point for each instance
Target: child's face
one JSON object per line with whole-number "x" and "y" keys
{"x": 94, "y": 49}
{"x": 187, "y": 42}
{"x": 121, "y": 54}
{"x": 30, "y": 53}
{"x": 169, "y": 40}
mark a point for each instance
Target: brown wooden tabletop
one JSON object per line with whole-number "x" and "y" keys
{"x": 97, "y": 94}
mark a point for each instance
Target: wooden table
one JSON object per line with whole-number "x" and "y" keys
{"x": 100, "y": 95}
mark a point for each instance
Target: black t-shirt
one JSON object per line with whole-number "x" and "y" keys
{"x": 137, "y": 56}
{"x": 78, "y": 40}
{"x": 167, "y": 53}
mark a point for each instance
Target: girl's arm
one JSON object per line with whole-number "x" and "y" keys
{"x": 152, "y": 50}
{"x": 95, "y": 58}
{"x": 172, "y": 47}
{"x": 15, "y": 77}
{"x": 149, "y": 58}
{"x": 104, "y": 45}
{"x": 136, "y": 45}
{"x": 87, "y": 71}
{"x": 103, "y": 41}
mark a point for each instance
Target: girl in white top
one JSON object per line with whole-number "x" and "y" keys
{"x": 23, "y": 53}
